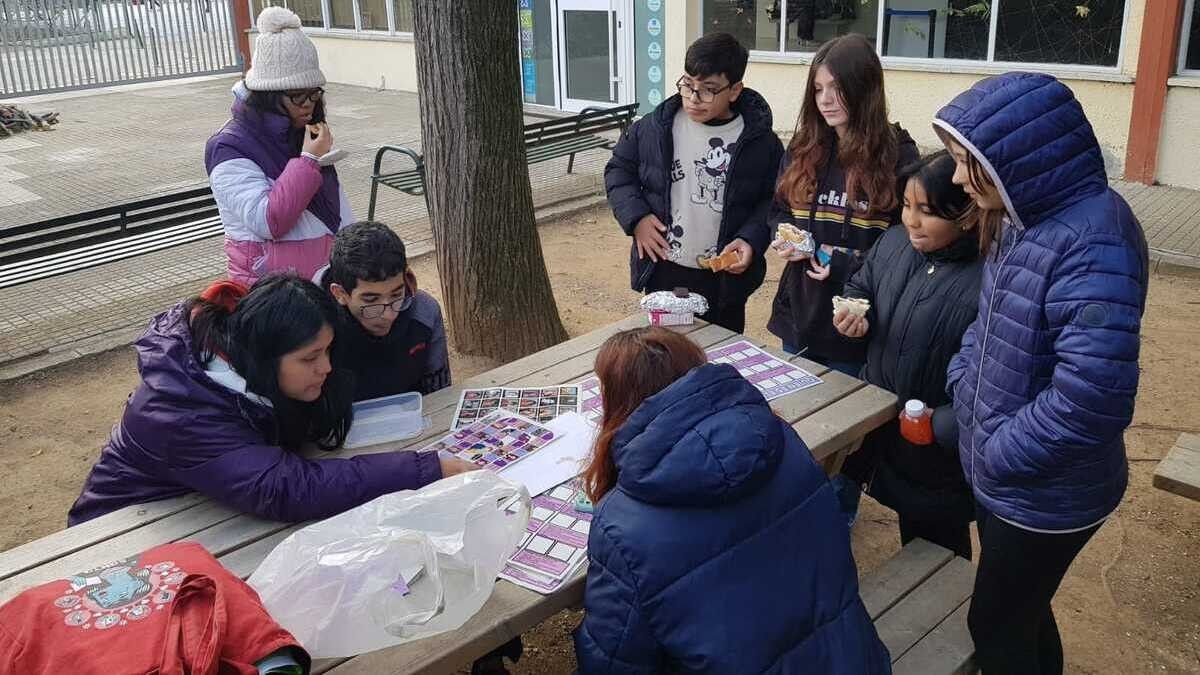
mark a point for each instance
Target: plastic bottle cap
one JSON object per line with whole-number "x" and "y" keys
{"x": 914, "y": 408}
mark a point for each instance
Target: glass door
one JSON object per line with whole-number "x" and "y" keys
{"x": 588, "y": 54}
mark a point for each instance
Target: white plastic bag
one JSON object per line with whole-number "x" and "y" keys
{"x": 405, "y": 566}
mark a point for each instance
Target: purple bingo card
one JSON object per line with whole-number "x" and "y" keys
{"x": 772, "y": 376}
{"x": 555, "y": 540}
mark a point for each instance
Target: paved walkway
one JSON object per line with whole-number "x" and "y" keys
{"x": 117, "y": 146}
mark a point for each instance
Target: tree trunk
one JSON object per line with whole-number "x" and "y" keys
{"x": 494, "y": 281}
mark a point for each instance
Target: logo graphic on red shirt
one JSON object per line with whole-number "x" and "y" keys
{"x": 120, "y": 592}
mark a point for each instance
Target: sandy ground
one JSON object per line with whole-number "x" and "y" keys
{"x": 1130, "y": 603}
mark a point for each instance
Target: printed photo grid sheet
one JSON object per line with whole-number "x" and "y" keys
{"x": 498, "y": 440}
{"x": 773, "y": 377}
{"x": 539, "y": 404}
{"x": 555, "y": 541}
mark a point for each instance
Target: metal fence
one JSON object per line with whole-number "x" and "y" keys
{"x": 56, "y": 45}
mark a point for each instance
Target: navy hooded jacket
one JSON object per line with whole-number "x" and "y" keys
{"x": 721, "y": 549}
{"x": 1045, "y": 382}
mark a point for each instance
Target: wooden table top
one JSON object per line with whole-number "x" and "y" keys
{"x": 830, "y": 417}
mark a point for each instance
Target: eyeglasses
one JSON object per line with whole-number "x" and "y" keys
{"x": 397, "y": 306}
{"x": 299, "y": 98}
{"x": 686, "y": 90}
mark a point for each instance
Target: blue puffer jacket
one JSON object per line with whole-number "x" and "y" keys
{"x": 721, "y": 549}
{"x": 1045, "y": 382}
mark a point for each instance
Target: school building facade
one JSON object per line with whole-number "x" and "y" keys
{"x": 1134, "y": 64}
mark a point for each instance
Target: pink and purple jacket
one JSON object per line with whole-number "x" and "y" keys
{"x": 280, "y": 209}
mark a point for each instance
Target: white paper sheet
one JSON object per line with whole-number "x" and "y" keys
{"x": 561, "y": 460}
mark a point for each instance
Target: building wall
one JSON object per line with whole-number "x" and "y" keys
{"x": 914, "y": 95}
{"x": 1180, "y": 140}
{"x": 364, "y": 60}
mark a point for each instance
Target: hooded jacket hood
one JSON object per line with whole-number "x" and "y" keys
{"x": 708, "y": 437}
{"x": 1021, "y": 126}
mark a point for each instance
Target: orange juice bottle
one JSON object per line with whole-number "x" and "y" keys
{"x": 916, "y": 423}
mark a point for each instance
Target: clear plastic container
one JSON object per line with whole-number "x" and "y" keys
{"x": 391, "y": 418}
{"x": 916, "y": 423}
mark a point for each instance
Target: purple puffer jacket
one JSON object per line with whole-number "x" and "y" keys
{"x": 184, "y": 432}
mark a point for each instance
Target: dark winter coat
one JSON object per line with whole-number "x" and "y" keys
{"x": 182, "y": 431}
{"x": 638, "y": 182}
{"x": 1044, "y": 385}
{"x": 801, "y": 311}
{"x": 921, "y": 304}
{"x": 721, "y": 548}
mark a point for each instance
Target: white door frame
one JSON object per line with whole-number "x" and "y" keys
{"x": 620, "y": 19}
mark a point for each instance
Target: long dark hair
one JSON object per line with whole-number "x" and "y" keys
{"x": 870, "y": 148}
{"x": 279, "y": 315}
{"x": 935, "y": 173}
{"x": 988, "y": 222}
{"x": 632, "y": 366}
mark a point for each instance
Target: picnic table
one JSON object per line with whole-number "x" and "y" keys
{"x": 831, "y": 417}
{"x": 1179, "y": 471}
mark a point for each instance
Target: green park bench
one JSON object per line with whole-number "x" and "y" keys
{"x": 544, "y": 141}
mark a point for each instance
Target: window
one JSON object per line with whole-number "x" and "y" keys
{"x": 404, "y": 17}
{"x": 310, "y": 13}
{"x": 1189, "y": 48}
{"x": 372, "y": 14}
{"x": 1074, "y": 32}
{"x": 342, "y": 14}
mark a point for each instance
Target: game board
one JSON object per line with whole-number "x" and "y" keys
{"x": 496, "y": 441}
{"x": 555, "y": 541}
{"x": 773, "y": 377}
{"x": 539, "y": 404}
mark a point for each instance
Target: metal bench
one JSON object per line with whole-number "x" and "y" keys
{"x": 71, "y": 243}
{"x": 560, "y": 137}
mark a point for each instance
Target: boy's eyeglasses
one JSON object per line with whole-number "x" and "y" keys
{"x": 686, "y": 90}
{"x": 397, "y": 306}
{"x": 299, "y": 98}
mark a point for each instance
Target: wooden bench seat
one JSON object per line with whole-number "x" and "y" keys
{"x": 919, "y": 600}
{"x": 1179, "y": 471}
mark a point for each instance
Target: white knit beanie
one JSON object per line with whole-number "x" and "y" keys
{"x": 284, "y": 57}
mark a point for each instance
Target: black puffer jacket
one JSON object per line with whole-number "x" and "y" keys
{"x": 921, "y": 304}
{"x": 801, "y": 309}
{"x": 638, "y": 182}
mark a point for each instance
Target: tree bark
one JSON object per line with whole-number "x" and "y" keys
{"x": 494, "y": 282}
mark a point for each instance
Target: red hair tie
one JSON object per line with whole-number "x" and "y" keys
{"x": 225, "y": 293}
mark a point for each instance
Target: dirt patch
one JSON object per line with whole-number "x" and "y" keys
{"x": 1131, "y": 602}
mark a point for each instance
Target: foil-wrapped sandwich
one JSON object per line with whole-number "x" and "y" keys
{"x": 673, "y": 308}
{"x": 801, "y": 241}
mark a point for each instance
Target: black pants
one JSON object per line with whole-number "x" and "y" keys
{"x": 955, "y": 536}
{"x": 1010, "y": 617}
{"x": 724, "y": 311}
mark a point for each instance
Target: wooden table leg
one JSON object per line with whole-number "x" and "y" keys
{"x": 833, "y": 463}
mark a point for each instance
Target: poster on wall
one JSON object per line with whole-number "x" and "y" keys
{"x": 649, "y": 43}
{"x": 528, "y": 65}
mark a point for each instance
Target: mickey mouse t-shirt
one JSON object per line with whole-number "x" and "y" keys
{"x": 699, "y": 172}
